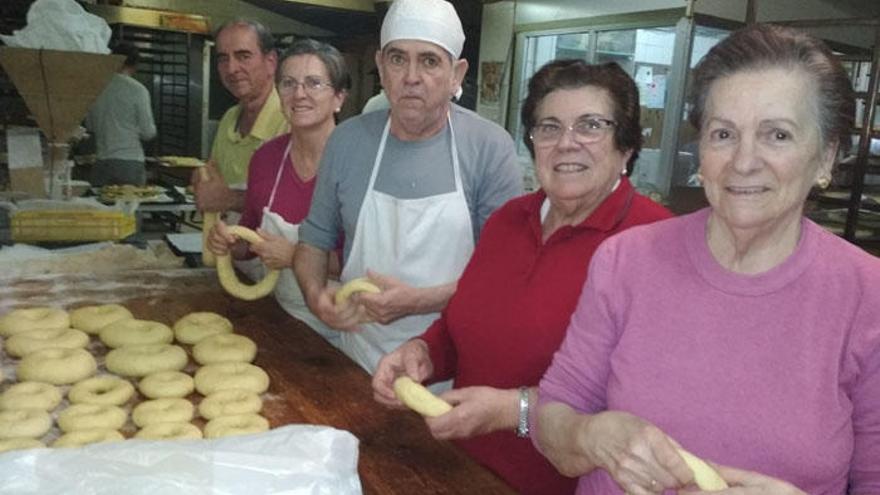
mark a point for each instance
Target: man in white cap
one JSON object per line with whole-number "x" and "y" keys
{"x": 409, "y": 187}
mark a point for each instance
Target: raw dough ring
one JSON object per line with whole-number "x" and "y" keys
{"x": 106, "y": 390}
{"x": 20, "y": 444}
{"x": 22, "y": 344}
{"x": 169, "y": 431}
{"x": 91, "y": 319}
{"x": 26, "y": 423}
{"x": 166, "y": 384}
{"x": 229, "y": 403}
{"x": 57, "y": 366}
{"x": 136, "y": 332}
{"x": 225, "y": 347}
{"x": 142, "y": 360}
{"x": 240, "y": 424}
{"x": 79, "y": 438}
{"x": 228, "y": 278}
{"x": 194, "y": 327}
{"x": 31, "y": 395}
{"x": 224, "y": 376}
{"x": 27, "y": 319}
{"x": 169, "y": 410}
{"x": 91, "y": 417}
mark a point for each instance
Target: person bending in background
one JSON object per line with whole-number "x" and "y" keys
{"x": 514, "y": 299}
{"x": 313, "y": 82}
{"x": 246, "y": 62}
{"x": 409, "y": 188}
{"x": 121, "y": 117}
{"x": 744, "y": 332}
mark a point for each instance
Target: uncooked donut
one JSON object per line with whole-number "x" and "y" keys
{"x": 106, "y": 390}
{"x": 228, "y": 278}
{"x": 57, "y": 366}
{"x": 166, "y": 384}
{"x": 224, "y": 376}
{"x": 91, "y": 319}
{"x": 224, "y": 348}
{"x": 241, "y": 424}
{"x": 90, "y": 417}
{"x": 194, "y": 327}
{"x": 31, "y": 395}
{"x": 142, "y": 360}
{"x": 20, "y": 444}
{"x": 26, "y": 423}
{"x": 170, "y": 410}
{"x": 27, "y": 319}
{"x": 136, "y": 332}
{"x": 22, "y": 344}
{"x": 79, "y": 438}
{"x": 169, "y": 431}
{"x": 229, "y": 403}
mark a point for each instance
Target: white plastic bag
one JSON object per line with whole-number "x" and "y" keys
{"x": 291, "y": 460}
{"x": 61, "y": 25}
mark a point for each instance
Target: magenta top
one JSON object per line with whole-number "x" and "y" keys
{"x": 777, "y": 372}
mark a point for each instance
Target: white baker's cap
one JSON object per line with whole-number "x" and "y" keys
{"x": 434, "y": 21}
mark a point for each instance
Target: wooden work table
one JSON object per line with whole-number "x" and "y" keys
{"x": 311, "y": 382}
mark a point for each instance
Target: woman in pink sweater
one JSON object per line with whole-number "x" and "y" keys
{"x": 743, "y": 333}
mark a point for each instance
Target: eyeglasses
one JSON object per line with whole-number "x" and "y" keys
{"x": 310, "y": 85}
{"x": 586, "y": 131}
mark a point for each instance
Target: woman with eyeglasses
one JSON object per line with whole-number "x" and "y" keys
{"x": 743, "y": 333}
{"x": 312, "y": 82}
{"x": 514, "y": 299}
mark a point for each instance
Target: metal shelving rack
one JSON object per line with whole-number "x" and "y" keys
{"x": 171, "y": 69}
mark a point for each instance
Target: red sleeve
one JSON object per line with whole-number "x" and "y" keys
{"x": 441, "y": 350}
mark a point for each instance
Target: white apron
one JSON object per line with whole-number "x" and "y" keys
{"x": 423, "y": 242}
{"x": 287, "y": 291}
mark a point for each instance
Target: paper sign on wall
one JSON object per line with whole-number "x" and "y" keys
{"x": 24, "y": 148}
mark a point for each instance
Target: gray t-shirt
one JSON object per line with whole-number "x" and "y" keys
{"x": 409, "y": 170}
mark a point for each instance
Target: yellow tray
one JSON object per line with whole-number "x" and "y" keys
{"x": 70, "y": 225}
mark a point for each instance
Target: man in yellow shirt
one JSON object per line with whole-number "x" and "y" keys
{"x": 246, "y": 61}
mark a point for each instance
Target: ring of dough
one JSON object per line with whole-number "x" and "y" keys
{"x": 31, "y": 395}
{"x": 26, "y": 423}
{"x": 169, "y": 431}
{"x": 166, "y": 384}
{"x": 194, "y": 327}
{"x": 136, "y": 332}
{"x": 240, "y": 424}
{"x": 79, "y": 438}
{"x": 224, "y": 376}
{"x": 19, "y": 443}
{"x": 27, "y": 319}
{"x": 57, "y": 366}
{"x": 229, "y": 403}
{"x": 168, "y": 410}
{"x": 24, "y": 343}
{"x": 91, "y": 417}
{"x": 106, "y": 390}
{"x": 142, "y": 360}
{"x": 229, "y": 280}
{"x": 225, "y": 348}
{"x": 91, "y": 319}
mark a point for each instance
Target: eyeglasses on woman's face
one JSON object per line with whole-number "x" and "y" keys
{"x": 586, "y": 130}
{"x": 310, "y": 85}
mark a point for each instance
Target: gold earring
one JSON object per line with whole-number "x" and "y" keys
{"x": 823, "y": 182}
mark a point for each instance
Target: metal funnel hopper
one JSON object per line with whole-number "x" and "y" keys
{"x": 58, "y": 86}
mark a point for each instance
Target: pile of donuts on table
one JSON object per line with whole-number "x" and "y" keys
{"x": 98, "y": 374}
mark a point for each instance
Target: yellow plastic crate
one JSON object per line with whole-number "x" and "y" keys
{"x": 71, "y": 225}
